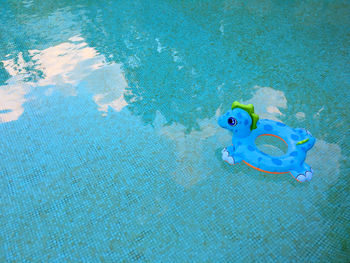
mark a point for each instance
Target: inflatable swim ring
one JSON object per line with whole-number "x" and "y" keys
{"x": 246, "y": 127}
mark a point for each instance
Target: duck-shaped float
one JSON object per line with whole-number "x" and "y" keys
{"x": 246, "y": 127}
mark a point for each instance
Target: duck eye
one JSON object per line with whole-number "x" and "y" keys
{"x": 232, "y": 121}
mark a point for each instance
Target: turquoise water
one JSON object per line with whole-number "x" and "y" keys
{"x": 110, "y": 149}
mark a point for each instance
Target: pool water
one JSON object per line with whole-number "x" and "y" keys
{"x": 110, "y": 149}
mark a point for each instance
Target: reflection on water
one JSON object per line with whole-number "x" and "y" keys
{"x": 168, "y": 66}
{"x": 191, "y": 148}
{"x": 66, "y": 64}
{"x": 325, "y": 159}
{"x": 268, "y": 102}
{"x": 12, "y": 97}
{"x": 63, "y": 67}
{"x": 193, "y": 151}
{"x": 108, "y": 85}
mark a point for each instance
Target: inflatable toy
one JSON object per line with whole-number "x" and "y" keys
{"x": 246, "y": 127}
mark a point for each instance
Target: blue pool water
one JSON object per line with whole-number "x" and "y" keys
{"x": 110, "y": 149}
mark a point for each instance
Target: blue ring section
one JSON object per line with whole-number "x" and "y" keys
{"x": 292, "y": 160}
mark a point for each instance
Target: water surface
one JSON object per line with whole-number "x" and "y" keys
{"x": 110, "y": 150}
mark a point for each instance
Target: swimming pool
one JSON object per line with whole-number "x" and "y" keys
{"x": 110, "y": 148}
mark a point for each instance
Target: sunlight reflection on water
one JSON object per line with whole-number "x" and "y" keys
{"x": 63, "y": 67}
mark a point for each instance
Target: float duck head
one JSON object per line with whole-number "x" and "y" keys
{"x": 240, "y": 120}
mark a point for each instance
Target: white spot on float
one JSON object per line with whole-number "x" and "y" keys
{"x": 301, "y": 178}
{"x": 226, "y": 157}
{"x": 308, "y": 175}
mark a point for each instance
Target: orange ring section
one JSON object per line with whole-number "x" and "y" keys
{"x": 267, "y": 134}
{"x": 295, "y": 178}
{"x": 264, "y": 170}
{"x": 270, "y": 172}
{"x": 229, "y": 163}
{"x": 256, "y": 168}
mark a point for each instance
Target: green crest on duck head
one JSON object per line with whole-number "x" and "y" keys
{"x": 250, "y": 109}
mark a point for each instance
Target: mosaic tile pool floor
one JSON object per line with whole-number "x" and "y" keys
{"x": 110, "y": 149}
